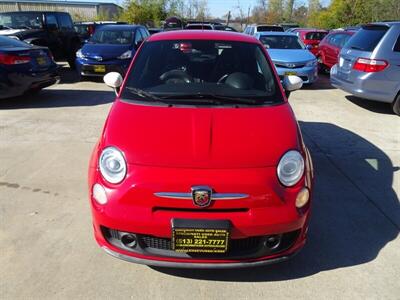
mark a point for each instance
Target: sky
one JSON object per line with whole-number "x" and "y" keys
{"x": 218, "y": 8}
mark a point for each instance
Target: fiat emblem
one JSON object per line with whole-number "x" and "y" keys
{"x": 201, "y": 196}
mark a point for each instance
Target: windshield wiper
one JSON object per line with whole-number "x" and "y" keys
{"x": 210, "y": 97}
{"x": 144, "y": 94}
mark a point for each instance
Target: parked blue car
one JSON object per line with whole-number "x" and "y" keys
{"x": 290, "y": 55}
{"x": 110, "y": 49}
{"x": 24, "y": 67}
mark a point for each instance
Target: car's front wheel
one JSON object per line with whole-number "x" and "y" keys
{"x": 396, "y": 105}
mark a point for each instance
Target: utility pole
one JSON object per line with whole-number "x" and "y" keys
{"x": 228, "y": 19}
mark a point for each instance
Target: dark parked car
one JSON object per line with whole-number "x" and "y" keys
{"x": 86, "y": 29}
{"x": 330, "y": 47}
{"x": 111, "y": 48}
{"x": 154, "y": 30}
{"x": 24, "y": 67}
{"x": 54, "y": 30}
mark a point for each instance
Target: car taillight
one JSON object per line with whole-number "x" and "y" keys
{"x": 7, "y": 59}
{"x": 370, "y": 65}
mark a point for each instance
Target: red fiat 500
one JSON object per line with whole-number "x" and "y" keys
{"x": 201, "y": 162}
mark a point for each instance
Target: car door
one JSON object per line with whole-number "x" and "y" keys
{"x": 54, "y": 40}
{"x": 66, "y": 32}
{"x": 332, "y": 51}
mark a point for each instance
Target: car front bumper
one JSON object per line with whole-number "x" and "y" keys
{"x": 86, "y": 67}
{"x": 369, "y": 86}
{"x": 134, "y": 209}
{"x": 307, "y": 74}
{"x": 15, "y": 84}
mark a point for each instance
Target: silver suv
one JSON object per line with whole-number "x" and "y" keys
{"x": 369, "y": 64}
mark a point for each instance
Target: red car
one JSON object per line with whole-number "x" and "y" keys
{"x": 330, "y": 47}
{"x": 311, "y": 37}
{"x": 201, "y": 163}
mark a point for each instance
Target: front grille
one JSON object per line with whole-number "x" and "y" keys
{"x": 251, "y": 247}
{"x": 246, "y": 244}
{"x": 290, "y": 66}
{"x": 155, "y": 242}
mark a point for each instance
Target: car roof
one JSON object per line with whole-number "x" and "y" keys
{"x": 120, "y": 26}
{"x": 389, "y": 23}
{"x": 203, "y": 35}
{"x": 277, "y": 33}
{"x": 34, "y": 11}
{"x": 302, "y": 30}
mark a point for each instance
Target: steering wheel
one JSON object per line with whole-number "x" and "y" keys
{"x": 222, "y": 79}
{"x": 176, "y": 76}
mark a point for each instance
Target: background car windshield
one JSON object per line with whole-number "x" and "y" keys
{"x": 367, "y": 38}
{"x": 21, "y": 20}
{"x": 269, "y": 28}
{"x": 315, "y": 35}
{"x": 203, "y": 69}
{"x": 281, "y": 42}
{"x": 122, "y": 37}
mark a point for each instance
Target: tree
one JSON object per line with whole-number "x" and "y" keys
{"x": 288, "y": 14}
{"x": 275, "y": 11}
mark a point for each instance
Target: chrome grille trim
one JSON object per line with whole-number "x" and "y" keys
{"x": 188, "y": 196}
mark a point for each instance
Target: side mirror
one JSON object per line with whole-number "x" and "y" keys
{"x": 309, "y": 47}
{"x": 113, "y": 80}
{"x": 291, "y": 83}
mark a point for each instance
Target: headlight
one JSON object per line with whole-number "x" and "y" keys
{"x": 311, "y": 63}
{"x": 14, "y": 37}
{"x": 79, "y": 54}
{"x": 112, "y": 165}
{"x": 125, "y": 55}
{"x": 290, "y": 168}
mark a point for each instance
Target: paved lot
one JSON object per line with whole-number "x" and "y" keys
{"x": 46, "y": 244}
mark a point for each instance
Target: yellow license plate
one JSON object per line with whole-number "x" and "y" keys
{"x": 41, "y": 60}
{"x": 99, "y": 68}
{"x": 290, "y": 73}
{"x": 200, "y": 240}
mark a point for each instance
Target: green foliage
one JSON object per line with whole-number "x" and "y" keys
{"x": 149, "y": 12}
{"x": 342, "y": 13}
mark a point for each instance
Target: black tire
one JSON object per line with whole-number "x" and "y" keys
{"x": 396, "y": 105}
{"x": 322, "y": 69}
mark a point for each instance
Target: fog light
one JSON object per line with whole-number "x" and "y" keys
{"x": 273, "y": 241}
{"x": 99, "y": 194}
{"x": 129, "y": 240}
{"x": 302, "y": 197}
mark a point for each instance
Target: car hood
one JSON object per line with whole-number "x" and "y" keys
{"x": 201, "y": 137}
{"x": 287, "y": 55}
{"x": 106, "y": 51}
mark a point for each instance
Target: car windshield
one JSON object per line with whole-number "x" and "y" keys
{"x": 315, "y": 35}
{"x": 21, "y": 21}
{"x": 281, "y": 42}
{"x": 270, "y": 28}
{"x": 367, "y": 38}
{"x": 202, "y": 72}
{"x": 199, "y": 27}
{"x": 112, "y": 36}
